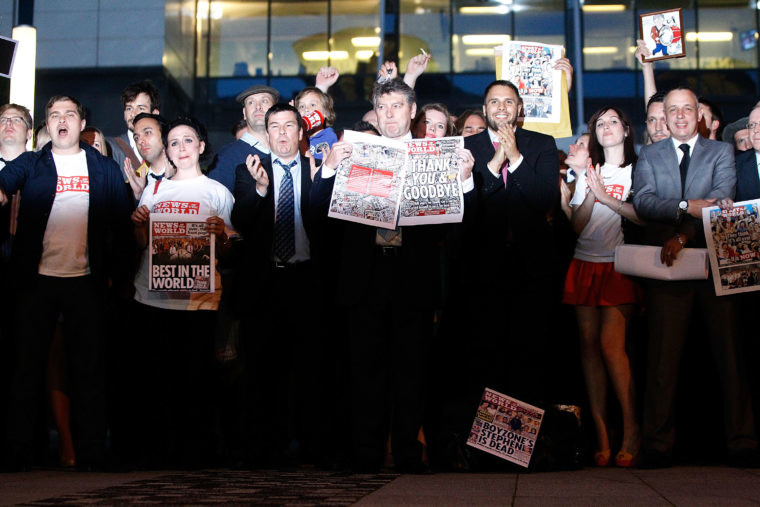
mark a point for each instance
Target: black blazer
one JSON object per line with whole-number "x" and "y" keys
{"x": 747, "y": 180}
{"x": 253, "y": 215}
{"x": 512, "y": 222}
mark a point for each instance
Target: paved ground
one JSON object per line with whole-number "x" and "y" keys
{"x": 592, "y": 486}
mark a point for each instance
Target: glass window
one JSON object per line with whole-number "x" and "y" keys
{"x": 478, "y": 27}
{"x": 299, "y": 38}
{"x": 238, "y": 38}
{"x": 727, "y": 37}
{"x": 178, "y": 42}
{"x": 608, "y": 35}
{"x": 425, "y": 24}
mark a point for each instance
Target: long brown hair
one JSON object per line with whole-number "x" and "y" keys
{"x": 595, "y": 150}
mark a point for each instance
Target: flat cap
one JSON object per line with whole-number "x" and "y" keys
{"x": 258, "y": 88}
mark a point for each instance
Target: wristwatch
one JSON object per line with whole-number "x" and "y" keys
{"x": 683, "y": 207}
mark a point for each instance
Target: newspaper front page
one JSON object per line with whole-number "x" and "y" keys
{"x": 733, "y": 241}
{"x": 181, "y": 254}
{"x": 530, "y": 67}
{"x": 368, "y": 184}
{"x": 506, "y": 427}
{"x": 432, "y": 190}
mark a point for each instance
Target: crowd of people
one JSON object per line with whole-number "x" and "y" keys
{"x": 338, "y": 344}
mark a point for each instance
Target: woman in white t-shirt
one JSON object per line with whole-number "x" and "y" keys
{"x": 604, "y": 299}
{"x": 178, "y": 326}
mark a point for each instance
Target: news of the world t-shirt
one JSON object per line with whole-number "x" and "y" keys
{"x": 64, "y": 245}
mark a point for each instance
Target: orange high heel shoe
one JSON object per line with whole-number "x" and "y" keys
{"x": 625, "y": 459}
{"x": 602, "y": 458}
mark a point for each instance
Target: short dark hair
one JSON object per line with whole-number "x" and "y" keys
{"x": 59, "y": 98}
{"x": 657, "y": 97}
{"x": 240, "y": 124}
{"x": 502, "y": 82}
{"x": 131, "y": 92}
{"x": 393, "y": 86}
{"x": 714, "y": 110}
{"x": 327, "y": 103}
{"x": 25, "y": 114}
{"x": 595, "y": 150}
{"x": 364, "y": 126}
{"x": 159, "y": 119}
{"x": 279, "y": 108}
{"x": 194, "y": 124}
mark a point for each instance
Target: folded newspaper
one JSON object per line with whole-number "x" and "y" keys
{"x": 644, "y": 261}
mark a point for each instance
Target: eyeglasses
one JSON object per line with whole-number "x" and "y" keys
{"x": 752, "y": 126}
{"x": 15, "y": 120}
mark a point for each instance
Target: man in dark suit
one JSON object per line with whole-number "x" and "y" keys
{"x": 271, "y": 212}
{"x": 747, "y": 162}
{"x": 74, "y": 239}
{"x": 517, "y": 179}
{"x": 386, "y": 285}
{"x": 674, "y": 179}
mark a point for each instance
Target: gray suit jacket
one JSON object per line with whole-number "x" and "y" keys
{"x": 657, "y": 186}
{"x": 116, "y": 152}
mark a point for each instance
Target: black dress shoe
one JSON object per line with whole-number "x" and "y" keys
{"x": 744, "y": 458}
{"x": 655, "y": 459}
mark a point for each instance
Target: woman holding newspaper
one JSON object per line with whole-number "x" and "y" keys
{"x": 604, "y": 299}
{"x": 177, "y": 320}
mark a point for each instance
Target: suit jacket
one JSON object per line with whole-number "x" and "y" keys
{"x": 118, "y": 154}
{"x": 511, "y": 221}
{"x": 747, "y": 180}
{"x": 109, "y": 227}
{"x": 224, "y": 166}
{"x": 657, "y": 187}
{"x": 253, "y": 215}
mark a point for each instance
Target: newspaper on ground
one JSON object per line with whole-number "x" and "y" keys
{"x": 506, "y": 427}
{"x": 368, "y": 184}
{"x": 432, "y": 189}
{"x": 733, "y": 241}
{"x": 181, "y": 254}
{"x": 530, "y": 67}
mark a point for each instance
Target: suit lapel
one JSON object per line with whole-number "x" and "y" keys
{"x": 695, "y": 165}
{"x": 668, "y": 164}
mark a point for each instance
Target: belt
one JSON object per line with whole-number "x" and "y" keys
{"x": 388, "y": 251}
{"x": 288, "y": 266}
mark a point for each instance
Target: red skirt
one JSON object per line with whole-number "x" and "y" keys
{"x": 598, "y": 284}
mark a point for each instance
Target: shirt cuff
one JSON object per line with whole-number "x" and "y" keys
{"x": 468, "y": 184}
{"x": 513, "y": 167}
{"x": 327, "y": 172}
{"x": 260, "y": 194}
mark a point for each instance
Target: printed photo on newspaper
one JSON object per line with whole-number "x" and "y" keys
{"x": 733, "y": 241}
{"x": 432, "y": 190}
{"x": 530, "y": 67}
{"x": 368, "y": 184}
{"x": 181, "y": 254}
{"x": 506, "y": 427}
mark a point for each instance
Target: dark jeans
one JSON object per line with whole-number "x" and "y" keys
{"x": 81, "y": 300}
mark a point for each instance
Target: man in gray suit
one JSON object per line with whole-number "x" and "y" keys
{"x": 674, "y": 179}
{"x": 140, "y": 97}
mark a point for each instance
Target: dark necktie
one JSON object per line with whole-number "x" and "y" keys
{"x": 284, "y": 222}
{"x": 157, "y": 177}
{"x": 684, "y": 165}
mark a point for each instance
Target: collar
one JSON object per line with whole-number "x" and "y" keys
{"x": 492, "y": 134}
{"x": 277, "y": 160}
{"x": 691, "y": 142}
{"x": 405, "y": 137}
{"x": 254, "y": 142}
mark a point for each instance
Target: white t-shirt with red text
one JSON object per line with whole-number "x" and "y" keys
{"x": 196, "y": 196}
{"x": 603, "y": 232}
{"x": 64, "y": 245}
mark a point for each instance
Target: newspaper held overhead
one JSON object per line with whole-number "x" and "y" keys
{"x": 733, "y": 241}
{"x": 368, "y": 184}
{"x": 181, "y": 254}
{"x": 432, "y": 190}
{"x": 506, "y": 427}
{"x": 530, "y": 67}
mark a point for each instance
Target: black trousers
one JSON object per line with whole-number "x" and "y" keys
{"x": 82, "y": 302}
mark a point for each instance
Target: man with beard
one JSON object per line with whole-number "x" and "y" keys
{"x": 147, "y": 136}
{"x": 516, "y": 173}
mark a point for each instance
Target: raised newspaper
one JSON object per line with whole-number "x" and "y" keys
{"x": 530, "y": 67}
{"x": 733, "y": 241}
{"x": 506, "y": 427}
{"x": 368, "y": 183}
{"x": 432, "y": 190}
{"x": 181, "y": 254}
